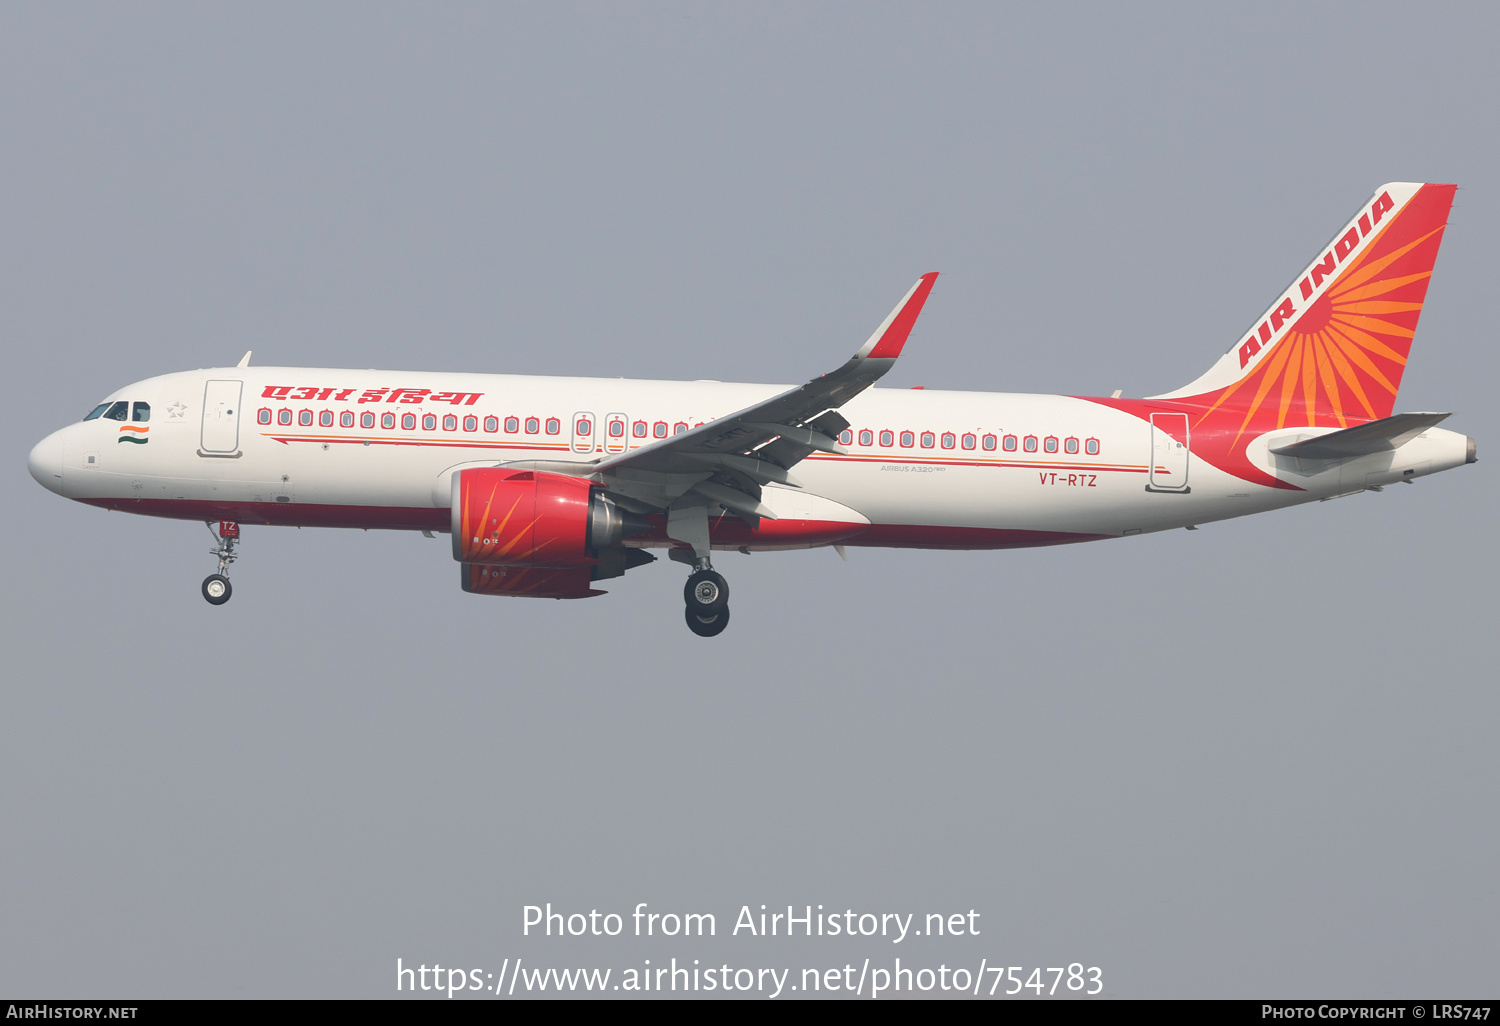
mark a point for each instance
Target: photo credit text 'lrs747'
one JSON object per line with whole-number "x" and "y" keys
{"x": 549, "y": 485}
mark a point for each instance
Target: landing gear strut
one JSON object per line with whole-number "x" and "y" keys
{"x": 706, "y": 593}
{"x": 216, "y": 587}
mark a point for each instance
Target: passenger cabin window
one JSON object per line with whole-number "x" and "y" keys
{"x": 492, "y": 424}
{"x": 1071, "y": 445}
{"x": 388, "y": 420}
{"x": 887, "y": 438}
{"x": 948, "y": 441}
{"x": 325, "y": 419}
{"x": 907, "y": 439}
{"x": 346, "y": 418}
{"x": 367, "y": 420}
{"x": 512, "y": 425}
{"x": 533, "y": 425}
{"x": 1029, "y": 442}
{"x": 554, "y": 425}
{"x": 408, "y": 422}
{"x": 969, "y": 441}
{"x": 1010, "y": 443}
{"x": 97, "y": 411}
{"x": 846, "y": 437}
{"x": 659, "y": 429}
{"x": 679, "y": 428}
{"x": 989, "y": 443}
{"x": 1091, "y": 447}
{"x": 1050, "y": 443}
{"x": 119, "y": 411}
{"x": 617, "y": 429}
{"x": 283, "y": 416}
{"x": 471, "y": 423}
{"x": 867, "y": 437}
{"x": 305, "y": 418}
{"x": 263, "y": 415}
{"x": 429, "y": 422}
{"x": 638, "y": 429}
{"x": 141, "y": 413}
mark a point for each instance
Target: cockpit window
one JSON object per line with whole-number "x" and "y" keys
{"x": 142, "y": 412}
{"x": 97, "y": 411}
{"x": 117, "y": 411}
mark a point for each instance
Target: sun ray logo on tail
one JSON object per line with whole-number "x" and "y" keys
{"x": 1335, "y": 344}
{"x": 1331, "y": 351}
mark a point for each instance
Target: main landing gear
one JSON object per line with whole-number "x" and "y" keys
{"x": 707, "y": 598}
{"x": 216, "y": 587}
{"x": 707, "y": 593}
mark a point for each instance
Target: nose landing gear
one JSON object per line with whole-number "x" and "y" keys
{"x": 216, "y": 587}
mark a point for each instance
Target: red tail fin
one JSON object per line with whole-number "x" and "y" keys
{"x": 1331, "y": 351}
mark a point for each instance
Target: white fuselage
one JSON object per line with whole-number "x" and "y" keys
{"x": 924, "y": 468}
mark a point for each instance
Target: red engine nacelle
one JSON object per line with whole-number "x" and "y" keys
{"x": 527, "y": 532}
{"x": 521, "y": 518}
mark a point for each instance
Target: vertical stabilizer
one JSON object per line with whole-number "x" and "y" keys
{"x": 1331, "y": 350}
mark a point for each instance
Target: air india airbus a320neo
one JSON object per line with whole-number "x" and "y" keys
{"x": 550, "y": 484}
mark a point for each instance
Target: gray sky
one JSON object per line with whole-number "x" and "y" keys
{"x": 1253, "y": 760}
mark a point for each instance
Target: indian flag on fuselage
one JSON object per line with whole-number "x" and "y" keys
{"x": 133, "y": 433}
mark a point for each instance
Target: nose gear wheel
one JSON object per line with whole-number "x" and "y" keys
{"x": 216, "y": 587}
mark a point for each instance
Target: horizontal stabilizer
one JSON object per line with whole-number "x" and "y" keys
{"x": 1376, "y": 436}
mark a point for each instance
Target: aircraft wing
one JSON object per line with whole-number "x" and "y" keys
{"x": 728, "y": 459}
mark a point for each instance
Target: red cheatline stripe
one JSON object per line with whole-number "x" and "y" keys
{"x": 1012, "y": 464}
{"x": 522, "y": 446}
{"x": 457, "y": 444}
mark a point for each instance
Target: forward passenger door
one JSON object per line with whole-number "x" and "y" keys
{"x": 221, "y": 418}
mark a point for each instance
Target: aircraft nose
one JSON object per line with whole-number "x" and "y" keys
{"x": 46, "y": 462}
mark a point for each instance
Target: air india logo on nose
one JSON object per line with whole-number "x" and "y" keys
{"x": 133, "y": 433}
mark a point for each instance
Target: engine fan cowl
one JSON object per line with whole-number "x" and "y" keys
{"x": 504, "y": 517}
